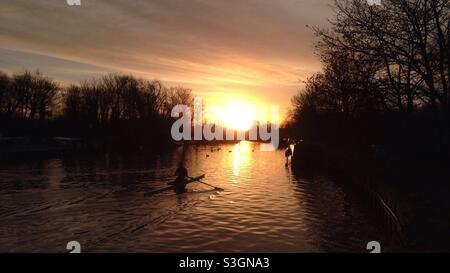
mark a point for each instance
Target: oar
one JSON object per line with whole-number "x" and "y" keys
{"x": 158, "y": 191}
{"x": 217, "y": 188}
{"x": 193, "y": 179}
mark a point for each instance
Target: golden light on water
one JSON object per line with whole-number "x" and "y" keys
{"x": 241, "y": 157}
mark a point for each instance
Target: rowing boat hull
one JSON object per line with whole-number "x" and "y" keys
{"x": 172, "y": 187}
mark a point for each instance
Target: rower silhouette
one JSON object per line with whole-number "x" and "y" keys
{"x": 181, "y": 181}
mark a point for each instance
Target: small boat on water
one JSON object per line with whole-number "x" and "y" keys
{"x": 193, "y": 179}
{"x": 172, "y": 186}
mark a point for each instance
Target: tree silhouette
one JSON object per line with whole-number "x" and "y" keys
{"x": 117, "y": 110}
{"x": 385, "y": 78}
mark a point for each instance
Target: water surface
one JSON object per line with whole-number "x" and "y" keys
{"x": 100, "y": 203}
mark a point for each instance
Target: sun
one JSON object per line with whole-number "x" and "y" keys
{"x": 237, "y": 115}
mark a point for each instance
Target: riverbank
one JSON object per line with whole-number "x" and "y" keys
{"x": 23, "y": 148}
{"x": 408, "y": 194}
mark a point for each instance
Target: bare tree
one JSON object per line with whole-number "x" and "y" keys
{"x": 411, "y": 38}
{"x": 44, "y": 94}
{"x": 178, "y": 96}
{"x": 73, "y": 101}
{"x": 5, "y": 84}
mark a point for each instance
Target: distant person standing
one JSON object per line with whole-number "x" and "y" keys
{"x": 288, "y": 154}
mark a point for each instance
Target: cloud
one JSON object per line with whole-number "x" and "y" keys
{"x": 252, "y": 46}
{"x": 66, "y": 71}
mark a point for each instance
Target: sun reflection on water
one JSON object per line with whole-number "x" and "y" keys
{"x": 241, "y": 158}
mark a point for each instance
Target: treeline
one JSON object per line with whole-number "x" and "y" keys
{"x": 112, "y": 110}
{"x": 385, "y": 78}
{"x": 27, "y": 96}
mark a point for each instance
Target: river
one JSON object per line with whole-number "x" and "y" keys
{"x": 99, "y": 202}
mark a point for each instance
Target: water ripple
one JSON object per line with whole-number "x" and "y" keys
{"x": 100, "y": 203}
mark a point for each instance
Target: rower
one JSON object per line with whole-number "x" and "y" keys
{"x": 180, "y": 181}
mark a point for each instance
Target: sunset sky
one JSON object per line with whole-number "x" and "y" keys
{"x": 256, "y": 51}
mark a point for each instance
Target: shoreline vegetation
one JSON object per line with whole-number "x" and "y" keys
{"x": 378, "y": 114}
{"x": 385, "y": 81}
{"x": 114, "y": 112}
